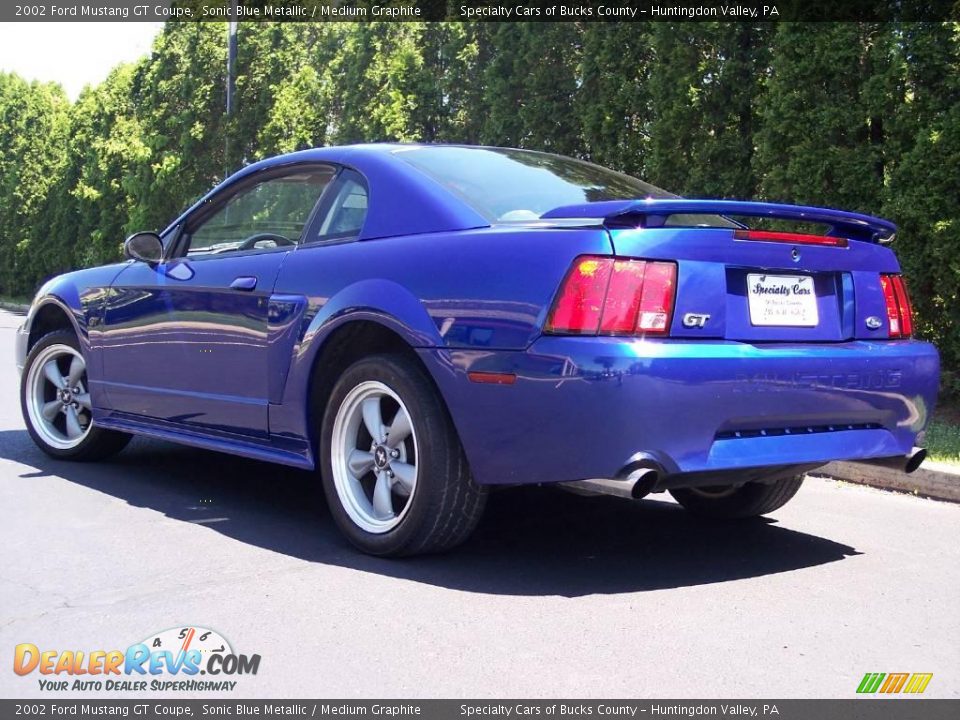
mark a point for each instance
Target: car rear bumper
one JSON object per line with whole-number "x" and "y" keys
{"x": 592, "y": 407}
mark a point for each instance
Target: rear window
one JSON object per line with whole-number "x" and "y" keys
{"x": 520, "y": 185}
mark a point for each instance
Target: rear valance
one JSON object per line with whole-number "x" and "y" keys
{"x": 654, "y": 213}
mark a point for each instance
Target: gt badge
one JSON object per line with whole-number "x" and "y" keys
{"x": 695, "y": 320}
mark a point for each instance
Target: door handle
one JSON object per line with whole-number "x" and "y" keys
{"x": 244, "y": 282}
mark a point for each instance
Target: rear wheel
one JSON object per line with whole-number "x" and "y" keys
{"x": 738, "y": 501}
{"x": 393, "y": 471}
{"x": 55, "y": 401}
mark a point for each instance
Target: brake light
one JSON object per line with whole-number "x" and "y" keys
{"x": 601, "y": 295}
{"x": 789, "y": 237}
{"x": 897, "y": 301}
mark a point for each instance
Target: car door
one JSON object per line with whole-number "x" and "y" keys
{"x": 186, "y": 341}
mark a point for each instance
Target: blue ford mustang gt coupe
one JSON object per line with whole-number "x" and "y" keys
{"x": 421, "y": 323}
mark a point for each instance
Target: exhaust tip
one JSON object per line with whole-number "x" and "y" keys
{"x": 915, "y": 460}
{"x": 644, "y": 480}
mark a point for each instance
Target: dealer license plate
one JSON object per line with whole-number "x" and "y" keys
{"x": 782, "y": 300}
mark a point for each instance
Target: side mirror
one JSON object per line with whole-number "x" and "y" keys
{"x": 144, "y": 246}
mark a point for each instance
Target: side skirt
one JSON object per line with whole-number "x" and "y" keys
{"x": 295, "y": 454}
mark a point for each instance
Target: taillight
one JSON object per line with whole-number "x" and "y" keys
{"x": 903, "y": 302}
{"x": 608, "y": 296}
{"x": 899, "y": 312}
{"x": 623, "y": 296}
{"x": 656, "y": 302}
{"x": 580, "y": 304}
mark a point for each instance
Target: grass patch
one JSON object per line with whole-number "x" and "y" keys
{"x": 943, "y": 442}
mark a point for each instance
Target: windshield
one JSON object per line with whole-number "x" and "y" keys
{"x": 520, "y": 185}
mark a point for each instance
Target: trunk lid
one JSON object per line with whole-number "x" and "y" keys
{"x": 757, "y": 286}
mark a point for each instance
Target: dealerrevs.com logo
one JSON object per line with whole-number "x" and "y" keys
{"x": 170, "y": 661}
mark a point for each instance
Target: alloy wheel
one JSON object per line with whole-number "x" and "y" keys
{"x": 374, "y": 457}
{"x": 58, "y": 398}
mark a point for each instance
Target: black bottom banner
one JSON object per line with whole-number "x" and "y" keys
{"x": 854, "y": 709}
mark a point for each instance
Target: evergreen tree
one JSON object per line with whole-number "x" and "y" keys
{"x": 285, "y": 91}
{"x": 923, "y": 193}
{"x": 106, "y": 148}
{"x": 548, "y": 87}
{"x": 180, "y": 96}
{"x": 461, "y": 61}
{"x": 614, "y": 104}
{"x": 351, "y": 92}
{"x": 925, "y": 201}
{"x": 502, "y": 87}
{"x": 704, "y": 86}
{"x": 34, "y": 122}
{"x": 816, "y": 144}
{"x": 404, "y": 102}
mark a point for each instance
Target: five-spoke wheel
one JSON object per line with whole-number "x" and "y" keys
{"x": 58, "y": 402}
{"x": 392, "y": 467}
{"x": 374, "y": 457}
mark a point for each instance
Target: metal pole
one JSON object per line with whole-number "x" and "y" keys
{"x": 231, "y": 57}
{"x": 231, "y": 79}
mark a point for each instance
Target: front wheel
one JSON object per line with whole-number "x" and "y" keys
{"x": 393, "y": 470}
{"x": 55, "y": 401}
{"x": 732, "y": 502}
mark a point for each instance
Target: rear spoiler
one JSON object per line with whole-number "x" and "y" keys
{"x": 654, "y": 213}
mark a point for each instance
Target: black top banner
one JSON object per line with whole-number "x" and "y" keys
{"x": 483, "y": 11}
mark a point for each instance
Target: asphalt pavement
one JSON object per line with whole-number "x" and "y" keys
{"x": 555, "y": 596}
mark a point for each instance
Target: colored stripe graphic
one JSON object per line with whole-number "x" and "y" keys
{"x": 870, "y": 682}
{"x": 918, "y": 683}
{"x": 894, "y": 682}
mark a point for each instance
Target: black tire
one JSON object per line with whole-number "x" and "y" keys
{"x": 98, "y": 443}
{"x": 446, "y": 504}
{"x": 734, "y": 503}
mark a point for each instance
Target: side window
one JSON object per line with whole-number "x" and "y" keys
{"x": 346, "y": 211}
{"x": 270, "y": 214}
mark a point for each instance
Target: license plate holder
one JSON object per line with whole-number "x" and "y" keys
{"x": 782, "y": 300}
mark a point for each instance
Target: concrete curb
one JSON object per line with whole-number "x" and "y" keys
{"x": 14, "y": 307}
{"x": 931, "y": 480}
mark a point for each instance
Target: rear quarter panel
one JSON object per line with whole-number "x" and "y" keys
{"x": 485, "y": 289}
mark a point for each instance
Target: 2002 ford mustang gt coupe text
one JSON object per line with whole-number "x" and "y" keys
{"x": 420, "y": 323}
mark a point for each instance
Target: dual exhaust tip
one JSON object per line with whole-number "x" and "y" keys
{"x": 640, "y": 482}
